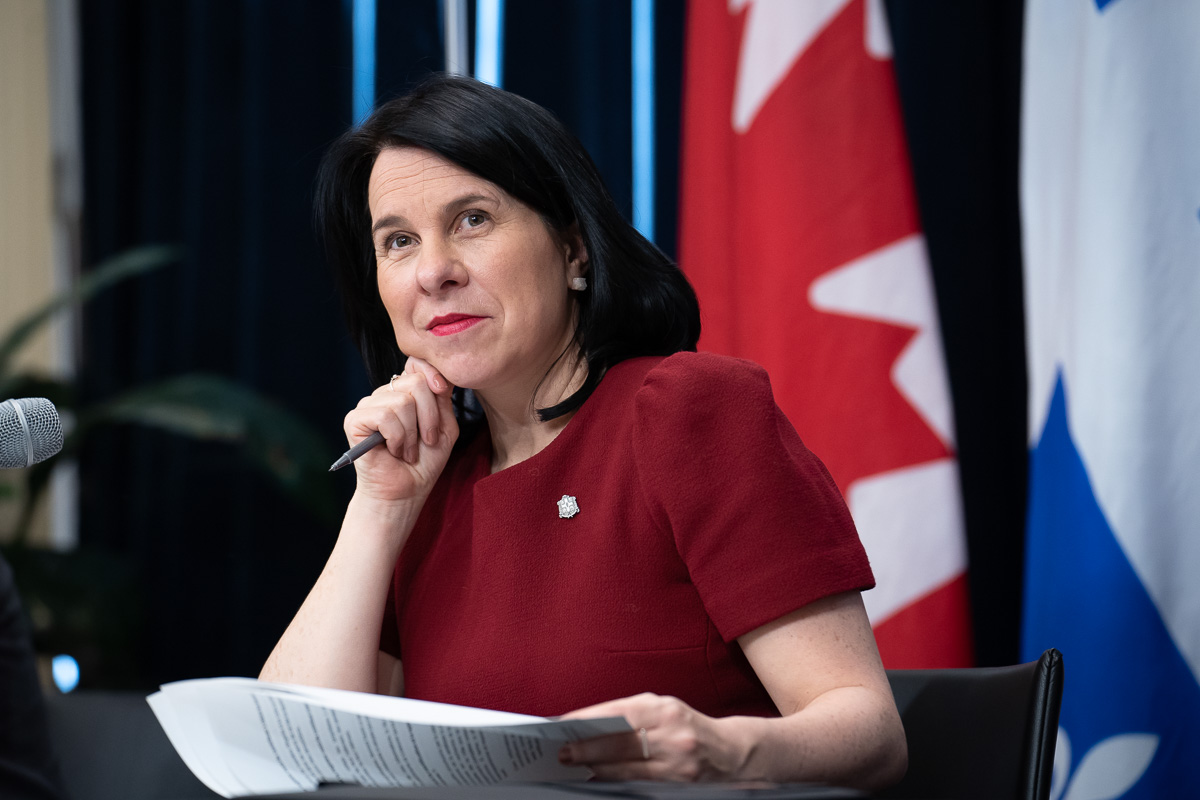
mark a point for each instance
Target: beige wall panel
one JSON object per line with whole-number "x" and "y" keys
{"x": 27, "y": 275}
{"x": 26, "y": 174}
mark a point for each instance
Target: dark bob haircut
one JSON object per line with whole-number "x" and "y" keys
{"x": 638, "y": 303}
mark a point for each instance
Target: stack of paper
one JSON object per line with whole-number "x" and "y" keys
{"x": 241, "y": 736}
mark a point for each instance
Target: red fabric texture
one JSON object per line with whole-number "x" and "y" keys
{"x": 701, "y": 517}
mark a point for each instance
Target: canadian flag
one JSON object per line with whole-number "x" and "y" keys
{"x": 799, "y": 231}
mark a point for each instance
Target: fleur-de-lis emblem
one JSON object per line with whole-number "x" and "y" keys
{"x": 1106, "y": 771}
{"x": 567, "y": 507}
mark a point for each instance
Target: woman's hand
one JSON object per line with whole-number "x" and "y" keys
{"x": 415, "y": 414}
{"x": 670, "y": 741}
{"x": 334, "y": 639}
{"x": 820, "y": 666}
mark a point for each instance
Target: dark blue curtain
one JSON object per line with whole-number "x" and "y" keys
{"x": 203, "y": 126}
{"x": 204, "y": 123}
{"x": 958, "y": 66}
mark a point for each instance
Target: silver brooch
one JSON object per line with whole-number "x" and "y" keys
{"x": 567, "y": 507}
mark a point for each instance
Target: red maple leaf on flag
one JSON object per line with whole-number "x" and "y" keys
{"x": 799, "y": 230}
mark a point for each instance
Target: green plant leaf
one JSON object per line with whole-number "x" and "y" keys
{"x": 211, "y": 407}
{"x": 199, "y": 406}
{"x": 116, "y": 269}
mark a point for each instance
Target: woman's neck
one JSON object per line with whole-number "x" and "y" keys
{"x": 513, "y": 423}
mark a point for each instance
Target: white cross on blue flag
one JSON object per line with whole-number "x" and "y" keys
{"x": 1110, "y": 193}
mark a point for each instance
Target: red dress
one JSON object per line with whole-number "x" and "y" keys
{"x": 701, "y": 516}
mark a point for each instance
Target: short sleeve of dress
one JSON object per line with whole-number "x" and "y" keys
{"x": 755, "y": 515}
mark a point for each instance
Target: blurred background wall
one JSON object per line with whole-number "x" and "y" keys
{"x": 34, "y": 150}
{"x": 202, "y": 124}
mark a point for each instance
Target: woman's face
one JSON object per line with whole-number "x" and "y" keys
{"x": 474, "y": 281}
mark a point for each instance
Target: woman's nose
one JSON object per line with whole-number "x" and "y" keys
{"x": 439, "y": 268}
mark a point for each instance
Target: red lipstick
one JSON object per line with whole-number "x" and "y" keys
{"x": 449, "y": 324}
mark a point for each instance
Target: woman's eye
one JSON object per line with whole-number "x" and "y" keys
{"x": 399, "y": 240}
{"x": 473, "y": 219}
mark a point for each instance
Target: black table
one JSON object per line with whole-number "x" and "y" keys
{"x": 630, "y": 790}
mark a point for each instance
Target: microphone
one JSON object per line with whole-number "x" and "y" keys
{"x": 30, "y": 432}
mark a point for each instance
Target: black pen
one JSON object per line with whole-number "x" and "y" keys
{"x": 353, "y": 454}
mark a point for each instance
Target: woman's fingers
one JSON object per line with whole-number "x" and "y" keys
{"x": 449, "y": 422}
{"x": 617, "y": 748}
{"x": 418, "y": 427}
{"x": 401, "y": 429}
{"x": 406, "y": 411}
{"x": 435, "y": 380}
{"x": 428, "y": 416}
{"x": 438, "y": 409}
{"x": 669, "y": 741}
{"x": 390, "y": 420}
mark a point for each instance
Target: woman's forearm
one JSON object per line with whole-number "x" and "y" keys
{"x": 849, "y": 736}
{"x": 839, "y": 725}
{"x": 333, "y": 641}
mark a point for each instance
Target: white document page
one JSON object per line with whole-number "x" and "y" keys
{"x": 241, "y": 736}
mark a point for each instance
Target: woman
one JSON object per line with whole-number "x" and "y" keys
{"x": 629, "y": 528}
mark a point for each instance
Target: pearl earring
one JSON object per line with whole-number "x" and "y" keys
{"x": 579, "y": 284}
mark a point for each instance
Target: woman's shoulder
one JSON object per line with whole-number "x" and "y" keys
{"x": 703, "y": 382}
{"x": 687, "y": 370}
{"x": 690, "y": 367}
{"x": 684, "y": 390}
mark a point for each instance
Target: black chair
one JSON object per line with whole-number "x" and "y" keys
{"x": 980, "y": 733}
{"x": 111, "y": 747}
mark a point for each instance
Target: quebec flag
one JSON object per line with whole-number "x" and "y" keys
{"x": 1110, "y": 193}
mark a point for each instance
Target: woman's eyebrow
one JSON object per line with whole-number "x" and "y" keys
{"x": 466, "y": 200}
{"x": 385, "y": 222}
{"x": 394, "y": 220}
